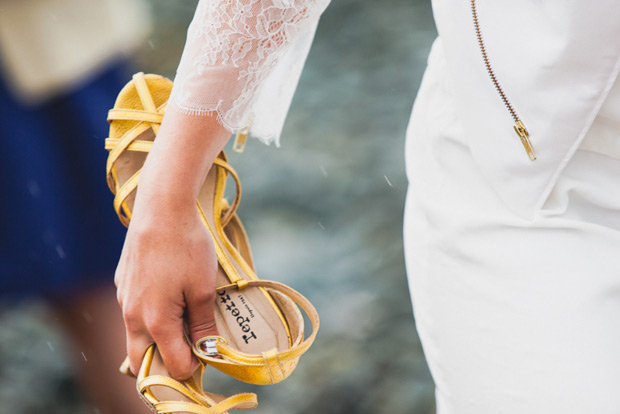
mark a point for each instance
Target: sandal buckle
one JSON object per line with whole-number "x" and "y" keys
{"x": 240, "y": 139}
{"x": 207, "y": 346}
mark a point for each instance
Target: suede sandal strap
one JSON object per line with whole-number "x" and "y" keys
{"x": 145, "y": 96}
{"x": 271, "y": 366}
{"x": 149, "y": 117}
{"x": 238, "y": 401}
{"x": 123, "y": 143}
{"x": 120, "y": 147}
{"x": 182, "y": 407}
{"x": 197, "y": 401}
{"x": 136, "y": 146}
{"x": 122, "y": 211}
{"x": 134, "y": 115}
{"x": 233, "y": 207}
{"x": 241, "y": 401}
{"x": 163, "y": 381}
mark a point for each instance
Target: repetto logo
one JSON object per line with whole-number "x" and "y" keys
{"x": 242, "y": 321}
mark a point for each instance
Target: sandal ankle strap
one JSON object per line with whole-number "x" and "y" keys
{"x": 271, "y": 366}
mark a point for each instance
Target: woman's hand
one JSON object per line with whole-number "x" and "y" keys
{"x": 167, "y": 269}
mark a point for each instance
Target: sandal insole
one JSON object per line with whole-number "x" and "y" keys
{"x": 250, "y": 320}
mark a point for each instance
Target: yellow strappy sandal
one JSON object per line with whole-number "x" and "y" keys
{"x": 261, "y": 326}
{"x": 165, "y": 395}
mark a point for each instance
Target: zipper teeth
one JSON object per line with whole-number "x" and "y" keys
{"x": 488, "y": 64}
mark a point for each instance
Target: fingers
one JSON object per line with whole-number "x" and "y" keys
{"x": 167, "y": 333}
{"x": 136, "y": 347}
{"x": 154, "y": 276}
{"x": 165, "y": 330}
{"x": 201, "y": 312}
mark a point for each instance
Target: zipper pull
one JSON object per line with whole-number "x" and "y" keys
{"x": 240, "y": 139}
{"x": 525, "y": 139}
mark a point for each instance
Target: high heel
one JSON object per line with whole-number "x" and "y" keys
{"x": 261, "y": 326}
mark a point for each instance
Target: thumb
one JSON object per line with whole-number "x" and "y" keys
{"x": 201, "y": 313}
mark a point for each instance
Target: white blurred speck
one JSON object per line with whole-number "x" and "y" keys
{"x": 84, "y": 356}
{"x": 60, "y": 251}
{"x": 33, "y": 188}
{"x": 151, "y": 44}
{"x": 49, "y": 344}
{"x": 323, "y": 170}
{"x": 388, "y": 181}
{"x": 321, "y": 225}
{"x": 87, "y": 317}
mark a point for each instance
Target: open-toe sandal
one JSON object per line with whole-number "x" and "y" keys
{"x": 260, "y": 323}
{"x": 165, "y": 395}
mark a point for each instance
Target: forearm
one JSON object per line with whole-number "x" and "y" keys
{"x": 180, "y": 158}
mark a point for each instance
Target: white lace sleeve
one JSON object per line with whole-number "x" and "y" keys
{"x": 242, "y": 60}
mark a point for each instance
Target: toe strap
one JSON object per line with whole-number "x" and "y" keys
{"x": 149, "y": 117}
{"x": 239, "y": 401}
{"x": 196, "y": 401}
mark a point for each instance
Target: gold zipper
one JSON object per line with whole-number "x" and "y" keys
{"x": 518, "y": 125}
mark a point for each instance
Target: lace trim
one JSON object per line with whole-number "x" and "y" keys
{"x": 232, "y": 46}
{"x": 266, "y": 138}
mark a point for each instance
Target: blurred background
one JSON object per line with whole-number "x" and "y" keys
{"x": 323, "y": 213}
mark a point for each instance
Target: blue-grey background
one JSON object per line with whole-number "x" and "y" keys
{"x": 323, "y": 212}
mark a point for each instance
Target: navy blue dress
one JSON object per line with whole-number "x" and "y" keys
{"x": 58, "y": 230}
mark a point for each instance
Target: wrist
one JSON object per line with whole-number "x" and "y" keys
{"x": 175, "y": 169}
{"x": 163, "y": 203}
{"x": 168, "y": 187}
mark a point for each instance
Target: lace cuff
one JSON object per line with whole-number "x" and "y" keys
{"x": 242, "y": 60}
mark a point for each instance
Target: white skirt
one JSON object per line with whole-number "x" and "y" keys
{"x": 515, "y": 316}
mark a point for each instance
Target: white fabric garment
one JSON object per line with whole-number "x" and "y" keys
{"x": 48, "y": 46}
{"x": 242, "y": 61}
{"x": 513, "y": 265}
{"x": 556, "y": 61}
{"x": 515, "y": 315}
